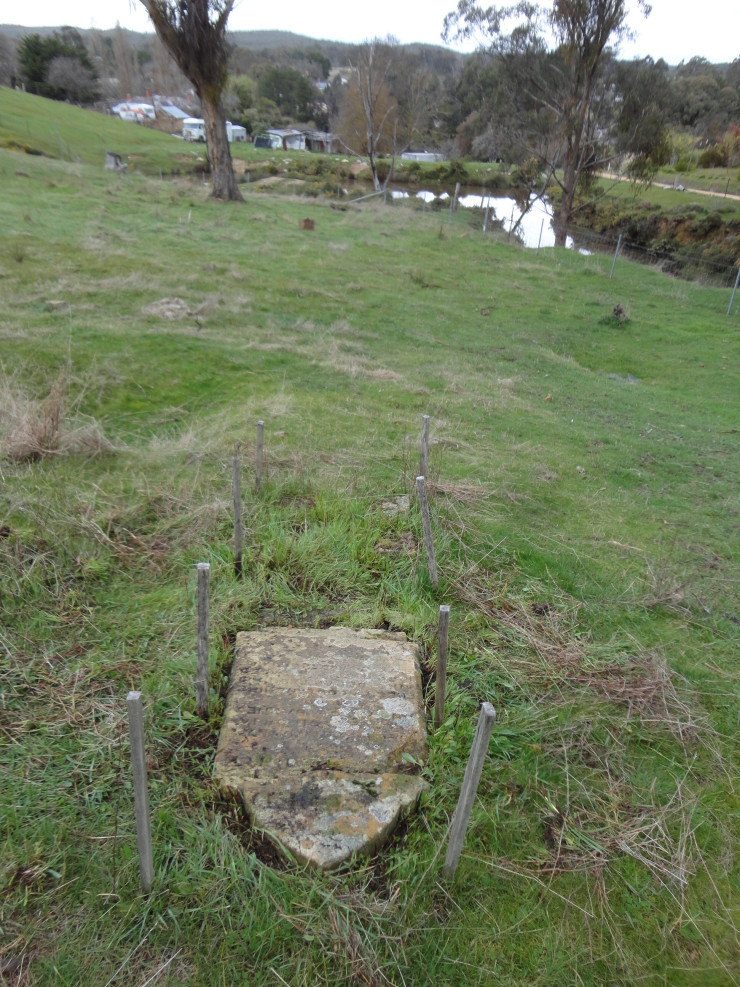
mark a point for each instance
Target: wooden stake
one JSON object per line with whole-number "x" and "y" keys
{"x": 734, "y": 292}
{"x": 424, "y": 446}
{"x": 427, "y": 526}
{"x": 473, "y": 771}
{"x": 236, "y": 491}
{"x": 616, "y": 254}
{"x": 141, "y": 795}
{"x": 442, "y": 640}
{"x": 260, "y": 448}
{"x": 201, "y": 675}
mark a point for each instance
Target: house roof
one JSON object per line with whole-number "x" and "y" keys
{"x": 173, "y": 111}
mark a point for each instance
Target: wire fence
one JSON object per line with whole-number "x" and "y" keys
{"x": 692, "y": 264}
{"x": 688, "y": 263}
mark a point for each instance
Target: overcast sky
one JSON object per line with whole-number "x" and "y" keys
{"x": 676, "y": 30}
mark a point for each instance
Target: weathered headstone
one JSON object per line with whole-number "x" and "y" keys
{"x": 316, "y": 726}
{"x": 391, "y": 506}
{"x": 114, "y": 162}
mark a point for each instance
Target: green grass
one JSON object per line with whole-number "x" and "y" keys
{"x": 716, "y": 180}
{"x": 69, "y": 134}
{"x": 671, "y": 201}
{"x": 586, "y": 530}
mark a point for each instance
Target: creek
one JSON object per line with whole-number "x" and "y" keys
{"x": 535, "y": 229}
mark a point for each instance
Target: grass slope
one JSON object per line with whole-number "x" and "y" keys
{"x": 68, "y": 133}
{"x": 585, "y": 515}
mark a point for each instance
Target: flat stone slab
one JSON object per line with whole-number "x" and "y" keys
{"x": 314, "y": 733}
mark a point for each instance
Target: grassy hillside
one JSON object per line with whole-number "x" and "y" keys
{"x": 36, "y": 125}
{"x": 585, "y": 470}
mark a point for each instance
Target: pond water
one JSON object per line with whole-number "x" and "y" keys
{"x": 535, "y": 229}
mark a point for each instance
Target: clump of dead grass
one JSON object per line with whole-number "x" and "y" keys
{"x": 465, "y": 493}
{"x": 584, "y": 834}
{"x": 32, "y": 429}
{"x": 545, "y": 649}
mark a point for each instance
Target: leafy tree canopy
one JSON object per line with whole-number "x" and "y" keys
{"x": 552, "y": 67}
{"x": 289, "y": 90}
{"x": 74, "y": 78}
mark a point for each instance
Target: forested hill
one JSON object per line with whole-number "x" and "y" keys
{"x": 336, "y": 51}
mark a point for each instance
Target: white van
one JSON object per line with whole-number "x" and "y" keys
{"x": 194, "y": 129}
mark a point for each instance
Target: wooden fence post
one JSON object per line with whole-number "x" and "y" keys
{"x": 427, "y": 526}
{"x": 141, "y": 795}
{"x": 201, "y": 674}
{"x": 473, "y": 771}
{"x": 734, "y": 292}
{"x": 260, "y": 452}
{"x": 236, "y": 491}
{"x": 616, "y": 254}
{"x": 424, "y": 447}
{"x": 441, "y": 684}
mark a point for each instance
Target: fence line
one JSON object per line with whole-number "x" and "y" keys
{"x": 688, "y": 265}
{"x": 685, "y": 265}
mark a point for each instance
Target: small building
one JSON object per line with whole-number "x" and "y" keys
{"x": 171, "y": 111}
{"x": 194, "y": 129}
{"x": 298, "y": 140}
{"x": 138, "y": 112}
{"x": 268, "y": 140}
{"x": 319, "y": 140}
{"x": 422, "y": 156}
{"x": 281, "y": 140}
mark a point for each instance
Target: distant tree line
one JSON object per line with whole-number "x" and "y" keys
{"x": 431, "y": 97}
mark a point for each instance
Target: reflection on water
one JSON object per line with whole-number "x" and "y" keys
{"x": 534, "y": 230}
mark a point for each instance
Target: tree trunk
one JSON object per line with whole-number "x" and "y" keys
{"x": 219, "y": 154}
{"x": 374, "y": 172}
{"x": 561, "y": 218}
{"x": 564, "y": 210}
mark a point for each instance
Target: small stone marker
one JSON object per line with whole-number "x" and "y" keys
{"x": 306, "y": 224}
{"x": 316, "y": 726}
{"x": 391, "y": 506}
{"x": 114, "y": 162}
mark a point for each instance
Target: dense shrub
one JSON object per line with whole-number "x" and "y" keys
{"x": 382, "y": 168}
{"x": 455, "y": 171}
{"x": 714, "y": 157}
{"x": 411, "y": 173}
{"x": 707, "y": 225}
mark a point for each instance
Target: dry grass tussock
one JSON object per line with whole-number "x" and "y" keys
{"x": 346, "y": 939}
{"x": 337, "y": 348}
{"x": 31, "y": 429}
{"x": 595, "y": 815}
{"x": 584, "y": 832}
{"x": 465, "y": 493}
{"x": 544, "y": 647}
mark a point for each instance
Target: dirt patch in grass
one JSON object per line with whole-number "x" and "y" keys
{"x": 383, "y": 374}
